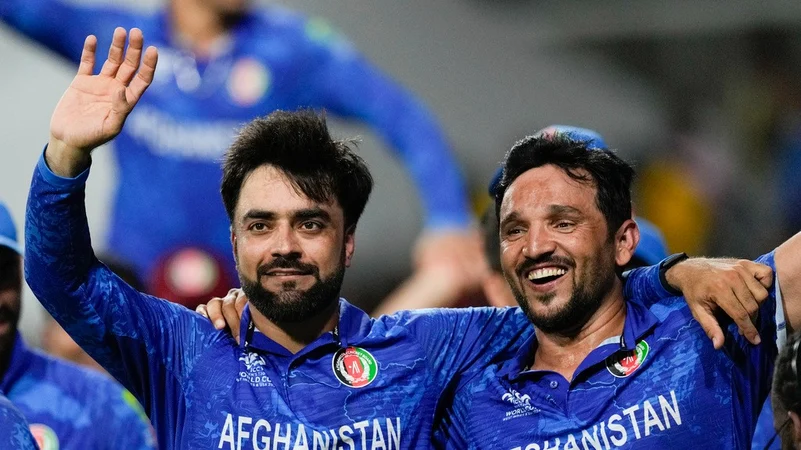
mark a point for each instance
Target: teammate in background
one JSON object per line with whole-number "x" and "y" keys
{"x": 787, "y": 396}
{"x": 601, "y": 371}
{"x": 14, "y": 432}
{"x": 311, "y": 369}
{"x": 68, "y": 407}
{"x": 223, "y": 64}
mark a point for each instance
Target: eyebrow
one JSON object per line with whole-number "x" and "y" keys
{"x": 299, "y": 215}
{"x": 510, "y": 218}
{"x": 311, "y": 213}
{"x": 563, "y": 209}
{"x": 259, "y": 214}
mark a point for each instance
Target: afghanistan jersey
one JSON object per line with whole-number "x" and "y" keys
{"x": 170, "y": 150}
{"x": 373, "y": 383}
{"x": 14, "y": 434}
{"x": 70, "y": 407}
{"x": 659, "y": 385}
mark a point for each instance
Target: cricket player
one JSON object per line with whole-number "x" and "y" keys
{"x": 600, "y": 371}
{"x": 309, "y": 370}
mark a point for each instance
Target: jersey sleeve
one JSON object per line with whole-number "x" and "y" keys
{"x": 341, "y": 80}
{"x": 148, "y": 344}
{"x": 755, "y": 362}
{"x": 14, "y": 431}
{"x": 643, "y": 283}
{"x": 62, "y": 26}
{"x": 461, "y": 340}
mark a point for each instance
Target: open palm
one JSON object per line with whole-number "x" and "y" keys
{"x": 93, "y": 109}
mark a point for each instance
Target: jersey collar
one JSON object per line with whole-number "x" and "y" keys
{"x": 18, "y": 365}
{"x": 353, "y": 326}
{"x": 639, "y": 321}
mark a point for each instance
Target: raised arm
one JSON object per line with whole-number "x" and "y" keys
{"x": 60, "y": 25}
{"x": 146, "y": 343}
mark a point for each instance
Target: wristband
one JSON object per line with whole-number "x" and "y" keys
{"x": 664, "y": 266}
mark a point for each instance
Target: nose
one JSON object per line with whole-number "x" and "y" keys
{"x": 285, "y": 242}
{"x": 539, "y": 241}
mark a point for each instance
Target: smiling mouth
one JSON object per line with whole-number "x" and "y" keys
{"x": 545, "y": 275}
{"x": 286, "y": 273}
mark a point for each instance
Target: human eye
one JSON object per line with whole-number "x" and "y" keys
{"x": 257, "y": 227}
{"x": 311, "y": 225}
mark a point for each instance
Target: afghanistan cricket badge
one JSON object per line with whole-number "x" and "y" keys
{"x": 44, "y": 436}
{"x": 623, "y": 364}
{"x": 354, "y": 367}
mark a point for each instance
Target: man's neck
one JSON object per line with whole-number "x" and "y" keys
{"x": 563, "y": 354}
{"x": 198, "y": 26}
{"x": 295, "y": 336}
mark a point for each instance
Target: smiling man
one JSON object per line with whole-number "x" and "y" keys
{"x": 310, "y": 370}
{"x": 600, "y": 372}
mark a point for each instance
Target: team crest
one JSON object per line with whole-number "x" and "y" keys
{"x": 623, "y": 364}
{"x": 354, "y": 367}
{"x": 44, "y": 436}
{"x": 248, "y": 82}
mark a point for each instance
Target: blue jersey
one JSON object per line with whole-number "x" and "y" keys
{"x": 765, "y": 430}
{"x": 14, "y": 434}
{"x": 659, "y": 385}
{"x": 71, "y": 407}
{"x": 374, "y": 383}
{"x": 170, "y": 150}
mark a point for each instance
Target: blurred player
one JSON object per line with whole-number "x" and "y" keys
{"x": 602, "y": 371}
{"x": 787, "y": 397}
{"x": 310, "y": 369}
{"x": 222, "y": 64}
{"x": 14, "y": 432}
{"x": 68, "y": 407}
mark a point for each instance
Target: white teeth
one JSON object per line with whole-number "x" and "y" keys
{"x": 545, "y": 272}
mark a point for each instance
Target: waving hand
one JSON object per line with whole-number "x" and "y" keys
{"x": 93, "y": 109}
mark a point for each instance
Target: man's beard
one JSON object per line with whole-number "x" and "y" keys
{"x": 291, "y": 305}
{"x": 588, "y": 294}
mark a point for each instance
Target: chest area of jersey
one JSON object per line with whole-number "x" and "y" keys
{"x": 341, "y": 398}
{"x": 664, "y": 394}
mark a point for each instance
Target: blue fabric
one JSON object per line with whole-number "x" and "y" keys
{"x": 170, "y": 150}
{"x": 14, "y": 433}
{"x": 76, "y": 407}
{"x": 8, "y": 231}
{"x": 202, "y": 390}
{"x": 684, "y": 393}
{"x": 765, "y": 430}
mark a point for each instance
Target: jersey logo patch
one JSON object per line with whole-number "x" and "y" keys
{"x": 623, "y": 364}
{"x": 248, "y": 82}
{"x": 522, "y": 405}
{"x": 354, "y": 367}
{"x": 45, "y": 437}
{"x": 254, "y": 373}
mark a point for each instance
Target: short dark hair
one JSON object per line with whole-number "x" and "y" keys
{"x": 607, "y": 172}
{"x": 786, "y": 379}
{"x": 299, "y": 144}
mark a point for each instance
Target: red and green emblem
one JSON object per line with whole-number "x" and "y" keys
{"x": 623, "y": 364}
{"x": 354, "y": 367}
{"x": 44, "y": 436}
